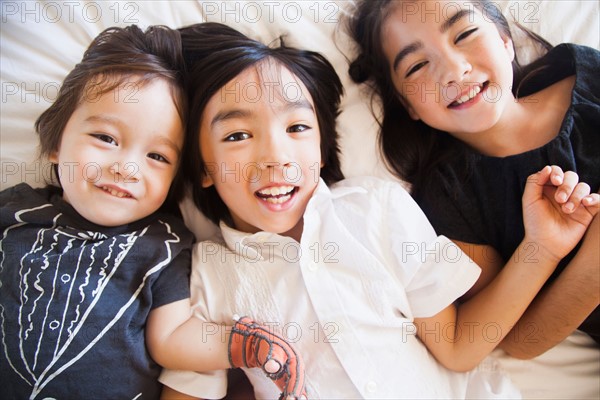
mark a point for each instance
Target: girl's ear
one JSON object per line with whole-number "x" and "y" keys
{"x": 409, "y": 109}
{"x": 510, "y": 48}
{"x": 206, "y": 180}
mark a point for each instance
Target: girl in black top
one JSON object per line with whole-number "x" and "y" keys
{"x": 466, "y": 125}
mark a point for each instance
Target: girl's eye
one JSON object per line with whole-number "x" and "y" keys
{"x": 158, "y": 157}
{"x": 237, "y": 136}
{"x": 105, "y": 138}
{"x": 415, "y": 68}
{"x": 465, "y": 35}
{"x": 297, "y": 128}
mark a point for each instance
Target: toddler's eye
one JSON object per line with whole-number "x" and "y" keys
{"x": 105, "y": 138}
{"x": 465, "y": 35}
{"x": 415, "y": 68}
{"x": 158, "y": 157}
{"x": 298, "y": 128}
{"x": 237, "y": 136}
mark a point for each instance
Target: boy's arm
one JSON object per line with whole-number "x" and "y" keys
{"x": 172, "y": 394}
{"x": 460, "y": 337}
{"x": 180, "y": 342}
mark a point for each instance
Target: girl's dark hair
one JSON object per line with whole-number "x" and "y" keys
{"x": 113, "y": 57}
{"x": 215, "y": 54}
{"x": 411, "y": 149}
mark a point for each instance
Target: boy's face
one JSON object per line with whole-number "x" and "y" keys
{"x": 260, "y": 141}
{"x": 119, "y": 153}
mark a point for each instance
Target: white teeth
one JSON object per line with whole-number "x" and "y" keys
{"x": 277, "y": 200}
{"x": 474, "y": 91}
{"x": 276, "y": 190}
{"x": 115, "y": 192}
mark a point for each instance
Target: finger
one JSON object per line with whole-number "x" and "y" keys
{"x": 592, "y": 203}
{"x": 580, "y": 191}
{"x": 564, "y": 190}
{"x": 557, "y": 175}
{"x": 535, "y": 184}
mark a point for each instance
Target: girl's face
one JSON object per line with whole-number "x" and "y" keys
{"x": 260, "y": 142}
{"x": 119, "y": 153}
{"x": 449, "y": 63}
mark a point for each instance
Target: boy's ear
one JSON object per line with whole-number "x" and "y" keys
{"x": 53, "y": 157}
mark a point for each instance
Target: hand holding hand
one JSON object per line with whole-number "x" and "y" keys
{"x": 252, "y": 345}
{"x": 557, "y": 210}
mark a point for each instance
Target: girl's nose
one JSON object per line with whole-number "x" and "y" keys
{"x": 456, "y": 69}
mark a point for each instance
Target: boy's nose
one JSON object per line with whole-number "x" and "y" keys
{"x": 274, "y": 152}
{"x": 126, "y": 172}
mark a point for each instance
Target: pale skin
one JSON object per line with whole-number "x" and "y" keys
{"x": 236, "y": 132}
{"x": 135, "y": 149}
{"x": 465, "y": 57}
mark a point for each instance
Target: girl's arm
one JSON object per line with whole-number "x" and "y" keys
{"x": 561, "y": 307}
{"x": 461, "y": 337}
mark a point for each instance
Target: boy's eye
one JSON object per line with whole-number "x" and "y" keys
{"x": 237, "y": 136}
{"x": 158, "y": 157}
{"x": 465, "y": 35}
{"x": 105, "y": 138}
{"x": 415, "y": 68}
{"x": 298, "y": 128}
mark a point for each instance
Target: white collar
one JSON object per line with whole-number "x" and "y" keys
{"x": 239, "y": 241}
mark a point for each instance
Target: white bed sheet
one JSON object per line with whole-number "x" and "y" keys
{"x": 40, "y": 41}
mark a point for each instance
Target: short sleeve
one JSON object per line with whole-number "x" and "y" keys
{"x": 434, "y": 270}
{"x": 173, "y": 283}
{"x": 445, "y": 274}
{"x": 208, "y": 385}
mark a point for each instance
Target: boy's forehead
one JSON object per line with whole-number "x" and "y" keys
{"x": 267, "y": 81}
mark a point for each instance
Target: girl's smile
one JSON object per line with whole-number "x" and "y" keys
{"x": 469, "y": 97}
{"x": 444, "y": 64}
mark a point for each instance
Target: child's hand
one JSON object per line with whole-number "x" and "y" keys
{"x": 557, "y": 210}
{"x": 252, "y": 345}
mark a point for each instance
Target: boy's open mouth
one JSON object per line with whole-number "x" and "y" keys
{"x": 276, "y": 194}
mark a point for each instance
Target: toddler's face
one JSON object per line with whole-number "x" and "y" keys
{"x": 260, "y": 141}
{"x": 119, "y": 153}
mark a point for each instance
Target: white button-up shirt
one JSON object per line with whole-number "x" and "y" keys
{"x": 367, "y": 264}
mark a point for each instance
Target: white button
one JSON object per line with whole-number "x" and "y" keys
{"x": 371, "y": 387}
